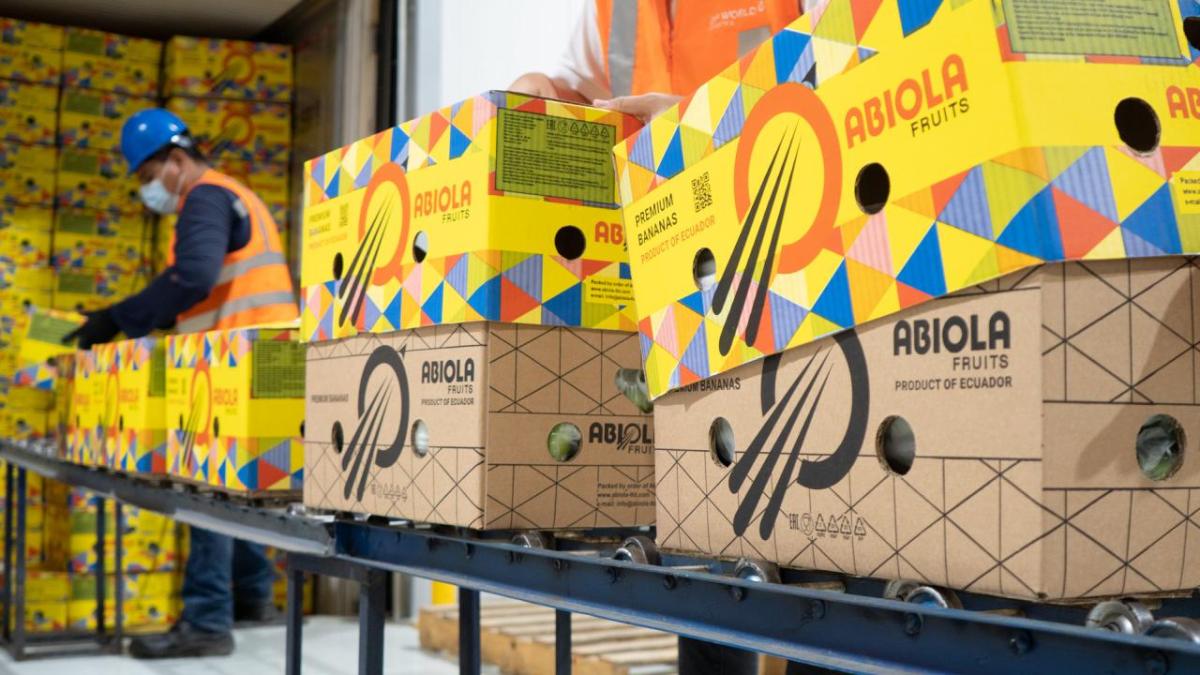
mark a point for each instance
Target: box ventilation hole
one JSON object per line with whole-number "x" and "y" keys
{"x": 563, "y": 441}
{"x": 896, "y": 445}
{"x": 338, "y": 438}
{"x": 632, "y": 383}
{"x": 704, "y": 269}
{"x": 721, "y": 442}
{"x": 420, "y": 438}
{"x": 1160, "y": 444}
{"x": 420, "y": 246}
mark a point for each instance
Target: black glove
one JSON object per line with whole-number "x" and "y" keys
{"x": 99, "y": 328}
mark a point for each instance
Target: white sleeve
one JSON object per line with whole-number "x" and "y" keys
{"x": 582, "y": 66}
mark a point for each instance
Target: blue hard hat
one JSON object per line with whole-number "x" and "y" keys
{"x": 148, "y": 131}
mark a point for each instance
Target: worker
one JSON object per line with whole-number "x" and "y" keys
{"x": 225, "y": 269}
{"x": 641, "y": 57}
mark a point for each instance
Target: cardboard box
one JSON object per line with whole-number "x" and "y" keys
{"x": 16, "y": 94}
{"x": 38, "y": 344}
{"x": 115, "y": 254}
{"x": 1033, "y": 487}
{"x": 141, "y": 421}
{"x": 253, "y": 131}
{"x": 96, "y": 180}
{"x": 232, "y": 69}
{"x": 157, "y": 555}
{"x": 24, "y": 424}
{"x": 538, "y": 411}
{"x": 136, "y": 586}
{"x": 18, "y": 156}
{"x": 27, "y": 125}
{"x": 112, "y": 45}
{"x": 46, "y": 586}
{"x": 133, "y": 78}
{"x": 25, "y": 236}
{"x": 143, "y": 613}
{"x": 30, "y": 64}
{"x": 33, "y": 546}
{"x": 957, "y": 142}
{"x": 235, "y": 403}
{"x": 419, "y": 222}
{"x": 89, "y": 118}
{"x": 95, "y": 223}
{"x": 43, "y": 617}
{"x": 26, "y": 187}
{"x": 30, "y": 34}
{"x": 135, "y": 522}
{"x": 87, "y": 289}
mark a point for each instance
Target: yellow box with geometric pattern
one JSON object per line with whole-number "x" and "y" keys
{"x": 245, "y": 402}
{"x": 875, "y": 155}
{"x": 498, "y": 208}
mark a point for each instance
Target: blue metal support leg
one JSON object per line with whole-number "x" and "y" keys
{"x": 469, "y": 655}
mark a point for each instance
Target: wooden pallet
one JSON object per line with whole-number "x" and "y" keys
{"x": 519, "y": 638}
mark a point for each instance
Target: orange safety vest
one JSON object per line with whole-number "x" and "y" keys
{"x": 646, "y": 51}
{"x": 254, "y": 286}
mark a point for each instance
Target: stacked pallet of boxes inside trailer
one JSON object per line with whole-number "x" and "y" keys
{"x": 235, "y": 98}
{"x": 30, "y": 72}
{"x": 101, "y": 237}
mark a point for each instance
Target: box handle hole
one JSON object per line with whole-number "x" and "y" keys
{"x": 570, "y": 242}
{"x": 420, "y": 246}
{"x": 704, "y": 269}
{"x": 872, "y": 188}
{"x": 1138, "y": 125}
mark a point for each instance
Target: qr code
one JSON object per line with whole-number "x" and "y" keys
{"x": 701, "y": 192}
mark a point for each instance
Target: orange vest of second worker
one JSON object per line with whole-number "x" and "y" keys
{"x": 646, "y": 49}
{"x": 254, "y": 286}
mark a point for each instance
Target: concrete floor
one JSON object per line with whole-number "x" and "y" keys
{"x": 330, "y": 648}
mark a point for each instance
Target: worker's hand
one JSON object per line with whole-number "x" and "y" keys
{"x": 544, "y": 86}
{"x": 99, "y": 328}
{"x": 643, "y": 106}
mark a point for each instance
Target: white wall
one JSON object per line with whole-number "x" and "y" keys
{"x": 464, "y": 47}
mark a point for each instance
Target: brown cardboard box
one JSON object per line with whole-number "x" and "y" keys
{"x": 471, "y": 387}
{"x": 1026, "y": 401}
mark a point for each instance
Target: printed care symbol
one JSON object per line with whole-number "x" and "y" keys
{"x": 387, "y": 186}
{"x": 787, "y": 251}
{"x": 812, "y": 474}
{"x": 363, "y": 450}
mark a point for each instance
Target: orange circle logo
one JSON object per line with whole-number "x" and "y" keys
{"x": 790, "y": 100}
{"x": 387, "y": 194}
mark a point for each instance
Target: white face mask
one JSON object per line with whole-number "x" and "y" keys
{"x": 158, "y": 198}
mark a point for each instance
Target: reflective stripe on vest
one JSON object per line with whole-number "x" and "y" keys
{"x": 646, "y": 49}
{"x": 203, "y": 320}
{"x": 254, "y": 285}
{"x": 622, "y": 40}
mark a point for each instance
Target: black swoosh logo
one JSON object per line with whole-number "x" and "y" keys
{"x": 353, "y": 289}
{"x": 769, "y": 214}
{"x": 363, "y": 452}
{"x": 803, "y": 397}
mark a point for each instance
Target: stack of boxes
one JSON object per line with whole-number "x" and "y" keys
{"x": 467, "y": 302}
{"x": 151, "y": 565}
{"x": 46, "y": 533}
{"x": 30, "y": 70}
{"x": 235, "y": 97}
{"x": 957, "y": 349}
{"x": 101, "y": 237}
